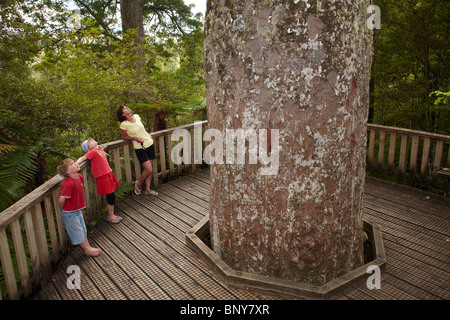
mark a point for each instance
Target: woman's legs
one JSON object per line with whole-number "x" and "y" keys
{"x": 145, "y": 156}
{"x": 146, "y": 175}
{"x": 148, "y": 180}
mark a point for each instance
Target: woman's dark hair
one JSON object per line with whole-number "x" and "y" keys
{"x": 120, "y": 116}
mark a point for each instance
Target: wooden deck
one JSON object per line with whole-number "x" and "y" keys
{"x": 145, "y": 257}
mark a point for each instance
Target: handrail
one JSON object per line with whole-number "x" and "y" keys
{"x": 403, "y": 152}
{"x": 421, "y": 134}
{"x": 40, "y": 208}
{"x": 43, "y": 232}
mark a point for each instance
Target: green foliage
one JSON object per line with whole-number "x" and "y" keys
{"x": 164, "y": 19}
{"x": 60, "y": 86}
{"x": 17, "y": 167}
{"x": 409, "y": 64}
{"x": 442, "y": 97}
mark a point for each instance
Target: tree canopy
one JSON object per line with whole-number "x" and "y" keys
{"x": 62, "y": 82}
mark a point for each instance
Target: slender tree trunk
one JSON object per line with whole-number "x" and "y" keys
{"x": 301, "y": 67}
{"x": 132, "y": 18}
{"x": 131, "y": 15}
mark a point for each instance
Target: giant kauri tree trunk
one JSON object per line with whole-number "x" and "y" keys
{"x": 301, "y": 67}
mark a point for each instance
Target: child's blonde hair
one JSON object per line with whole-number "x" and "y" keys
{"x": 63, "y": 166}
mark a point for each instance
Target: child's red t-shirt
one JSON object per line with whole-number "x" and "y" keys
{"x": 99, "y": 162}
{"x": 72, "y": 190}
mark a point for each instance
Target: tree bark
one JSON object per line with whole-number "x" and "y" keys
{"x": 301, "y": 67}
{"x": 132, "y": 18}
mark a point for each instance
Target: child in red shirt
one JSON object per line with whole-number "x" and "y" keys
{"x": 71, "y": 202}
{"x": 106, "y": 180}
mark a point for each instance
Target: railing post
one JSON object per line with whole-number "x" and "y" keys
{"x": 8, "y": 270}
{"x": 126, "y": 157}
{"x": 162, "y": 156}
{"x": 59, "y": 222}
{"x": 371, "y": 148}
{"x": 413, "y": 158}
{"x": 155, "y": 172}
{"x": 20, "y": 256}
{"x": 41, "y": 242}
{"x": 117, "y": 166}
{"x": 402, "y": 160}
{"x": 425, "y": 158}
{"x": 31, "y": 239}
{"x": 169, "y": 151}
{"x": 137, "y": 166}
{"x": 381, "y": 150}
{"x": 51, "y": 225}
{"x": 437, "y": 160}
{"x": 391, "y": 158}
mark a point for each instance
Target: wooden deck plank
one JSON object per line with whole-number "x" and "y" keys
{"x": 185, "y": 193}
{"x": 415, "y": 279}
{"x": 131, "y": 205}
{"x": 409, "y": 214}
{"x": 181, "y": 217}
{"x": 188, "y": 207}
{"x": 423, "y": 236}
{"x": 198, "y": 211}
{"x": 414, "y": 290}
{"x": 402, "y": 195}
{"x": 97, "y": 276}
{"x": 419, "y": 269}
{"x": 202, "y": 181}
{"x": 132, "y": 263}
{"x": 112, "y": 264}
{"x": 59, "y": 281}
{"x": 49, "y": 292}
{"x": 163, "y": 259}
{"x": 141, "y": 252}
{"x": 145, "y": 257}
{"x": 89, "y": 289}
{"x": 433, "y": 258}
{"x": 429, "y": 245}
{"x": 192, "y": 189}
{"x": 159, "y": 231}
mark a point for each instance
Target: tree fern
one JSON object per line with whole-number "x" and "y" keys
{"x": 17, "y": 167}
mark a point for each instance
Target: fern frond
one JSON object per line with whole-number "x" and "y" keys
{"x": 5, "y": 148}
{"x": 17, "y": 168}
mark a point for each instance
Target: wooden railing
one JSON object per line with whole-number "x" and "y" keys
{"x": 33, "y": 237}
{"x": 414, "y": 157}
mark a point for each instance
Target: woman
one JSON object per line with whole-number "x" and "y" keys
{"x": 131, "y": 128}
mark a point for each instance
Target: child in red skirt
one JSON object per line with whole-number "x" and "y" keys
{"x": 106, "y": 180}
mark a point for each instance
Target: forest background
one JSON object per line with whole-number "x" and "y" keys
{"x": 65, "y": 72}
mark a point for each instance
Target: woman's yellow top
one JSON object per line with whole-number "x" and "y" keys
{"x": 137, "y": 129}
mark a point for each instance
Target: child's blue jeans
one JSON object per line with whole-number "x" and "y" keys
{"x": 75, "y": 226}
